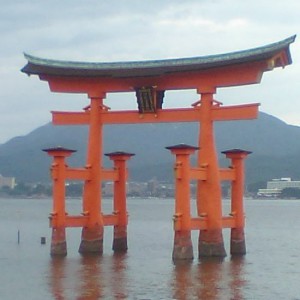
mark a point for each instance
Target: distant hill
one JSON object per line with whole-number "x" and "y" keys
{"x": 275, "y": 146}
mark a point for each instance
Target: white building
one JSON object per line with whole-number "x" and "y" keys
{"x": 275, "y": 187}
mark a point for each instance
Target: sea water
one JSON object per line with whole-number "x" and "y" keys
{"x": 270, "y": 270}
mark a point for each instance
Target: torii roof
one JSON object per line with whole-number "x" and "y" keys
{"x": 40, "y": 66}
{"x": 204, "y": 73}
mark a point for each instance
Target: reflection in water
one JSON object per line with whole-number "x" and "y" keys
{"x": 57, "y": 273}
{"x": 88, "y": 277}
{"x": 211, "y": 276}
{"x": 118, "y": 275}
{"x": 91, "y": 278}
{"x": 182, "y": 282}
{"x": 107, "y": 277}
{"x": 237, "y": 276}
{"x": 147, "y": 272}
{"x": 211, "y": 279}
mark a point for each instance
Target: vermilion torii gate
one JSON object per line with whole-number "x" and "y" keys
{"x": 149, "y": 80}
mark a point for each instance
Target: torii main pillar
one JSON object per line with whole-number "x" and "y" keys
{"x": 209, "y": 193}
{"x": 92, "y": 234}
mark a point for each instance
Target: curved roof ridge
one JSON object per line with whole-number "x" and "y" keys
{"x": 38, "y": 65}
{"x": 170, "y": 61}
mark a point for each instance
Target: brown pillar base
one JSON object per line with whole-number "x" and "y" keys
{"x": 211, "y": 243}
{"x": 120, "y": 239}
{"x": 183, "y": 247}
{"x": 91, "y": 240}
{"x": 237, "y": 242}
{"x": 58, "y": 242}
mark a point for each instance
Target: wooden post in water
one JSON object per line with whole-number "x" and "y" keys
{"x": 92, "y": 233}
{"x": 58, "y": 215}
{"x": 237, "y": 239}
{"x": 183, "y": 248}
{"x": 120, "y": 229}
{"x": 209, "y": 196}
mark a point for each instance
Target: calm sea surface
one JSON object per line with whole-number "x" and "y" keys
{"x": 270, "y": 270}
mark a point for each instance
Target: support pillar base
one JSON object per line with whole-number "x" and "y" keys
{"x": 58, "y": 242}
{"x": 183, "y": 247}
{"x": 120, "y": 239}
{"x": 237, "y": 242}
{"x": 211, "y": 243}
{"x": 91, "y": 240}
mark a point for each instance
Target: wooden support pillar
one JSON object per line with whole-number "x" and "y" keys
{"x": 209, "y": 196}
{"x": 120, "y": 230}
{"x": 58, "y": 215}
{"x": 237, "y": 239}
{"x": 183, "y": 248}
{"x": 92, "y": 234}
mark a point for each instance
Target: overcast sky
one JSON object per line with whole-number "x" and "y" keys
{"x": 121, "y": 30}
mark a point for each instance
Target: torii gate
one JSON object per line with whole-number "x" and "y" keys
{"x": 149, "y": 80}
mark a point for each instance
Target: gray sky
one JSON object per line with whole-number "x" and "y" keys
{"x": 120, "y": 30}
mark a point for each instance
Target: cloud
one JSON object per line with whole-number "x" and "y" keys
{"x": 136, "y": 30}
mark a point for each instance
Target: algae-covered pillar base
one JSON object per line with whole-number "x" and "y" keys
{"x": 91, "y": 240}
{"x": 183, "y": 247}
{"x": 120, "y": 239}
{"x": 237, "y": 242}
{"x": 211, "y": 243}
{"x": 58, "y": 242}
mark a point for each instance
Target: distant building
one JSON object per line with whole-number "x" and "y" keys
{"x": 132, "y": 189}
{"x": 152, "y": 188}
{"x": 136, "y": 188}
{"x": 275, "y": 187}
{"x": 7, "y": 181}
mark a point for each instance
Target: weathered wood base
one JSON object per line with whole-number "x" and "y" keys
{"x": 58, "y": 242}
{"x": 91, "y": 240}
{"x": 237, "y": 242}
{"x": 183, "y": 247}
{"x": 120, "y": 239}
{"x": 211, "y": 243}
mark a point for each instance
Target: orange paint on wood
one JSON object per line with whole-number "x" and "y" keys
{"x": 92, "y": 187}
{"x": 109, "y": 174}
{"x": 78, "y": 174}
{"x": 227, "y": 174}
{"x": 58, "y": 173}
{"x": 232, "y": 75}
{"x": 119, "y": 201}
{"x": 237, "y": 157}
{"x": 204, "y": 75}
{"x": 120, "y": 208}
{"x": 222, "y": 113}
{"x": 182, "y": 216}
{"x": 209, "y": 190}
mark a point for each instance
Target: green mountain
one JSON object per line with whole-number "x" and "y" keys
{"x": 275, "y": 146}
